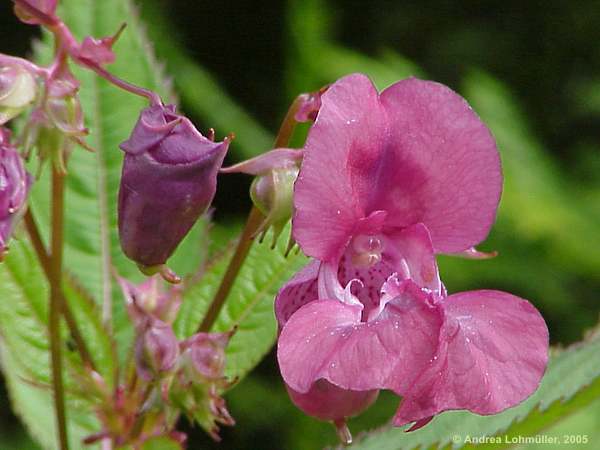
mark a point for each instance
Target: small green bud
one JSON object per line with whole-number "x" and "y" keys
{"x": 18, "y": 90}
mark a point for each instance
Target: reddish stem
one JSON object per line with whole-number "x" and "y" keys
{"x": 253, "y": 223}
{"x": 44, "y": 258}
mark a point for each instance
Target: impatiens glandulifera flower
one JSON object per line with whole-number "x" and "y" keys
{"x": 387, "y": 181}
{"x": 271, "y": 191}
{"x": 14, "y": 187}
{"x": 200, "y": 380}
{"x": 169, "y": 179}
{"x": 18, "y": 90}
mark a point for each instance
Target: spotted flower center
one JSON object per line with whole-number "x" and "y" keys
{"x": 366, "y": 250}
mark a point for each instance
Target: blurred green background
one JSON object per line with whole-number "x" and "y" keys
{"x": 530, "y": 69}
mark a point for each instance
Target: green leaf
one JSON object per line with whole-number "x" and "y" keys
{"x": 249, "y": 305}
{"x": 25, "y": 348}
{"x": 571, "y": 382}
{"x": 161, "y": 443}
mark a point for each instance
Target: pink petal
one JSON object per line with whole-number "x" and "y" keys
{"x": 444, "y": 166}
{"x": 273, "y": 159}
{"x": 297, "y": 292}
{"x": 413, "y": 246}
{"x": 326, "y": 401}
{"x": 336, "y": 177}
{"x": 98, "y": 51}
{"x": 473, "y": 253}
{"x": 493, "y": 353}
{"x": 326, "y": 339}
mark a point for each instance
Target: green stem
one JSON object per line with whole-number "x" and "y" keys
{"x": 44, "y": 258}
{"x": 56, "y": 306}
{"x": 255, "y": 218}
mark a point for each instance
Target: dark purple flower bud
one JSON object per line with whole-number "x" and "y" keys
{"x": 169, "y": 179}
{"x": 14, "y": 187}
{"x": 156, "y": 349}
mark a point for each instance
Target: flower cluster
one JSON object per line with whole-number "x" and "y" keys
{"x": 168, "y": 180}
{"x": 170, "y": 376}
{"x": 170, "y": 169}
{"x": 387, "y": 182}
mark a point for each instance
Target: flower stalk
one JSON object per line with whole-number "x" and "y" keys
{"x": 56, "y": 305}
{"x": 253, "y": 224}
{"x": 45, "y": 262}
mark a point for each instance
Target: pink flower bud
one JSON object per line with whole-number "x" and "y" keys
{"x": 309, "y": 105}
{"x": 149, "y": 299}
{"x": 200, "y": 379}
{"x": 97, "y": 52}
{"x": 169, "y": 179}
{"x": 206, "y": 354}
{"x": 36, "y": 12}
{"x": 14, "y": 187}
{"x": 156, "y": 349}
{"x": 64, "y": 108}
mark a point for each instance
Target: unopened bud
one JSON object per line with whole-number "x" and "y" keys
{"x": 200, "y": 379}
{"x": 149, "y": 299}
{"x": 97, "y": 52}
{"x": 169, "y": 179}
{"x": 64, "y": 108}
{"x": 205, "y": 353}
{"x": 156, "y": 349}
{"x": 36, "y": 12}
{"x": 326, "y": 401}
{"x": 18, "y": 90}
{"x": 272, "y": 189}
{"x": 309, "y": 106}
{"x": 272, "y": 195}
{"x": 14, "y": 187}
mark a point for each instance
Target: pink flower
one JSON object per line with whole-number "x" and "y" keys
{"x": 388, "y": 180}
{"x": 14, "y": 189}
